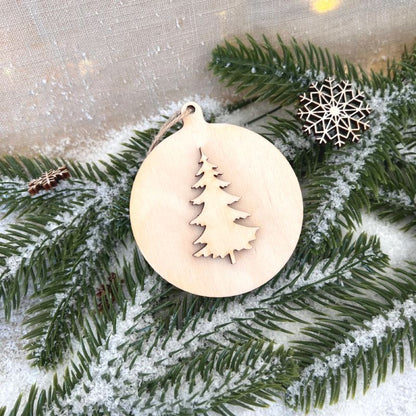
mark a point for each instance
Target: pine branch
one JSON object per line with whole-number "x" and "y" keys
{"x": 347, "y": 197}
{"x": 245, "y": 365}
{"x": 158, "y": 349}
{"x": 404, "y": 70}
{"x": 364, "y": 334}
{"x": 62, "y": 257}
{"x": 281, "y": 74}
{"x": 305, "y": 157}
{"x": 396, "y": 201}
{"x": 145, "y": 339}
{"x": 136, "y": 353}
{"x": 15, "y": 199}
{"x": 338, "y": 191}
{"x": 256, "y": 373}
{"x": 297, "y": 280}
{"x": 30, "y": 246}
{"x": 67, "y": 291}
{"x": 39, "y": 401}
{"x": 59, "y": 258}
{"x": 347, "y": 188}
{"x": 25, "y": 169}
{"x": 75, "y": 267}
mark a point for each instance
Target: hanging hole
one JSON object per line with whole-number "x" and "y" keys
{"x": 191, "y": 109}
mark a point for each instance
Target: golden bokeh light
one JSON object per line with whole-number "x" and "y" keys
{"x": 323, "y": 6}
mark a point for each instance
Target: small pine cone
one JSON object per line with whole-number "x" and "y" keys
{"x": 48, "y": 180}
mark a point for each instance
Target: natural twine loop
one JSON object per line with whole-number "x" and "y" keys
{"x": 173, "y": 119}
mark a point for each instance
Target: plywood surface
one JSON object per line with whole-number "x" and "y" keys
{"x": 161, "y": 210}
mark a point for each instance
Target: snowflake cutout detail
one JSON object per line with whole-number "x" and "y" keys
{"x": 48, "y": 180}
{"x": 334, "y": 111}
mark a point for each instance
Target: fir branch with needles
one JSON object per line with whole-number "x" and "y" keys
{"x": 336, "y": 313}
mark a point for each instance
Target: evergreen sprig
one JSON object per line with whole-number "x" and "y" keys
{"x": 156, "y": 349}
{"x": 280, "y": 74}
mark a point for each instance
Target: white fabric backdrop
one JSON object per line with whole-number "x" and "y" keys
{"x": 74, "y": 69}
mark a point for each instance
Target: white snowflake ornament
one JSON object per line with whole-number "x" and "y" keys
{"x": 334, "y": 111}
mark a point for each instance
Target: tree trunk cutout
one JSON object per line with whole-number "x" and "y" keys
{"x": 222, "y": 236}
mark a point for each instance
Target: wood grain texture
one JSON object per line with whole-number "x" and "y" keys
{"x": 161, "y": 212}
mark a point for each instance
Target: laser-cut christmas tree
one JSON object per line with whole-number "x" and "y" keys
{"x": 222, "y": 235}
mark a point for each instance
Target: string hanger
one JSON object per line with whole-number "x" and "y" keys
{"x": 175, "y": 118}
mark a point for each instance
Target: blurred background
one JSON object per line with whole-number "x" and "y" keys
{"x": 72, "y": 70}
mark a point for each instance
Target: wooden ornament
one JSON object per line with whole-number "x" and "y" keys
{"x": 334, "y": 111}
{"x": 48, "y": 180}
{"x": 210, "y": 236}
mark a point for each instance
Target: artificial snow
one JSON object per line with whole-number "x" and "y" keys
{"x": 361, "y": 340}
{"x": 395, "y": 397}
{"x": 16, "y": 373}
{"x": 397, "y": 244}
{"x": 293, "y": 143}
{"x": 113, "y": 140}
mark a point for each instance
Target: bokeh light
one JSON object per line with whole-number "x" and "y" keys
{"x": 323, "y": 6}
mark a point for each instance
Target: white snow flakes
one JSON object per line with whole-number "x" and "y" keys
{"x": 334, "y": 111}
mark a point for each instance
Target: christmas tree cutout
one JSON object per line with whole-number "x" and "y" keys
{"x": 222, "y": 235}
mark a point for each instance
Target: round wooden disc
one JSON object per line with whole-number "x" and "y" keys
{"x": 161, "y": 212}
